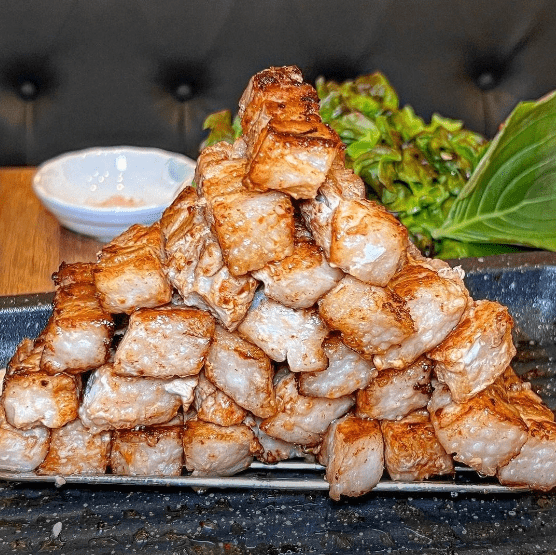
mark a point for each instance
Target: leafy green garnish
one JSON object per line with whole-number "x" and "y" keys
{"x": 222, "y": 128}
{"x": 414, "y": 169}
{"x": 511, "y": 197}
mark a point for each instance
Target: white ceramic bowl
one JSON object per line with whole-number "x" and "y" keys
{"x": 100, "y": 192}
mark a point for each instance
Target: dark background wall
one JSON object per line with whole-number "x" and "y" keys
{"x": 80, "y": 73}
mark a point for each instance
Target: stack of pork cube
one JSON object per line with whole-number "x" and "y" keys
{"x": 274, "y": 312}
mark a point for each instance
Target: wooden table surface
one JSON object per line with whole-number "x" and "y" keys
{"x": 32, "y": 242}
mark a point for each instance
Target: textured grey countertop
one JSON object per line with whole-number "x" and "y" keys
{"x": 84, "y": 520}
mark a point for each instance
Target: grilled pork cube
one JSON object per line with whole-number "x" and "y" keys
{"x": 286, "y": 334}
{"x": 225, "y": 296}
{"x": 121, "y": 402}
{"x": 368, "y": 242}
{"x": 253, "y": 229}
{"x": 357, "y": 235}
{"x": 37, "y": 398}
{"x": 212, "y": 450}
{"x": 347, "y": 371}
{"x": 436, "y": 301}
{"x": 370, "y": 319}
{"x": 74, "y": 449}
{"x": 129, "y": 272}
{"x": 150, "y": 451}
{"x": 21, "y": 450}
{"x": 164, "y": 342}
{"x": 220, "y": 171}
{"x": 78, "y": 334}
{"x": 213, "y": 405}
{"x": 485, "y": 432}
{"x": 195, "y": 266}
{"x": 411, "y": 450}
{"x": 394, "y": 393}
{"x": 26, "y": 358}
{"x": 242, "y": 371}
{"x": 292, "y": 156}
{"x": 302, "y": 420}
{"x": 185, "y": 232}
{"x": 476, "y": 352}
{"x": 341, "y": 184}
{"x": 535, "y": 465}
{"x": 277, "y": 92}
{"x": 353, "y": 453}
{"x": 530, "y": 406}
{"x": 274, "y": 450}
{"x": 301, "y": 279}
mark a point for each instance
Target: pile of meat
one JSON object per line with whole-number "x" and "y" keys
{"x": 273, "y": 312}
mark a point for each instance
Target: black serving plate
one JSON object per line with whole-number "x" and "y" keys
{"x": 103, "y": 518}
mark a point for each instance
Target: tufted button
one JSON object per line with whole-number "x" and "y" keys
{"x": 486, "y": 80}
{"x": 29, "y": 77}
{"x": 183, "y": 92}
{"x": 183, "y": 80}
{"x": 488, "y": 71}
{"x": 28, "y": 89}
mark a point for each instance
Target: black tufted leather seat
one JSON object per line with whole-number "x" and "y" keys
{"x": 81, "y": 73}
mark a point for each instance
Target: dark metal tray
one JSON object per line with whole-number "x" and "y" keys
{"x": 471, "y": 516}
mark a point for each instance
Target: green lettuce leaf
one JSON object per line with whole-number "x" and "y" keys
{"x": 222, "y": 128}
{"x": 511, "y": 196}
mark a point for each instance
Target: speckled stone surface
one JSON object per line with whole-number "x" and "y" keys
{"x": 39, "y": 518}
{"x": 80, "y": 520}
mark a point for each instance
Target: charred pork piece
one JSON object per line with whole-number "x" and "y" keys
{"x": 253, "y": 229}
{"x": 220, "y": 171}
{"x": 26, "y": 358}
{"x": 477, "y": 351}
{"x": 485, "y": 432}
{"x": 357, "y": 235}
{"x": 129, "y": 272}
{"x": 150, "y": 451}
{"x": 243, "y": 371}
{"x": 302, "y": 420}
{"x": 535, "y": 465}
{"x": 120, "y": 402}
{"x": 32, "y": 397}
{"x": 74, "y": 449}
{"x": 21, "y": 450}
{"x": 278, "y": 92}
{"x": 412, "y": 451}
{"x": 213, "y": 405}
{"x": 275, "y": 450}
{"x": 368, "y": 242}
{"x": 292, "y": 156}
{"x": 341, "y": 184}
{"x": 394, "y": 393}
{"x": 347, "y": 372}
{"x": 436, "y": 301}
{"x": 78, "y": 334}
{"x": 164, "y": 342}
{"x": 212, "y": 450}
{"x": 370, "y": 319}
{"x": 286, "y": 334}
{"x": 185, "y": 231}
{"x": 301, "y": 279}
{"x": 353, "y": 453}
{"x": 195, "y": 266}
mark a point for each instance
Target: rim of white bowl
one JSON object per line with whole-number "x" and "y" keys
{"x": 63, "y": 204}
